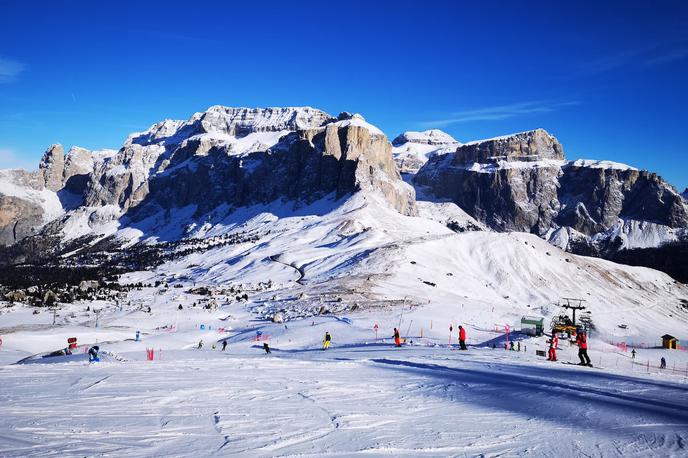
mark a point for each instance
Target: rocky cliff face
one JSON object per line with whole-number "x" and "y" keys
{"x": 51, "y": 167}
{"x": 230, "y": 157}
{"x": 595, "y": 196}
{"x": 532, "y": 146}
{"x": 340, "y": 157}
{"x": 522, "y": 182}
{"x": 509, "y": 183}
{"x": 25, "y": 204}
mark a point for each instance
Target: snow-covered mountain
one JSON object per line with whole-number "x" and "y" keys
{"x": 217, "y": 161}
{"x": 191, "y": 178}
{"x": 413, "y": 149}
{"x": 523, "y": 182}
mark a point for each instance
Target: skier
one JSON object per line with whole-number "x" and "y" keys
{"x": 200, "y": 344}
{"x": 266, "y": 347}
{"x": 462, "y": 338}
{"x": 93, "y": 354}
{"x": 518, "y": 346}
{"x": 328, "y": 339}
{"x": 582, "y": 342}
{"x": 224, "y": 345}
{"x": 662, "y": 363}
{"x": 511, "y": 346}
{"x": 553, "y": 344}
{"x": 397, "y": 338}
{"x": 633, "y": 354}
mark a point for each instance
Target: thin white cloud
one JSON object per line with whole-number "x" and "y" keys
{"x": 10, "y": 69}
{"x": 644, "y": 56}
{"x": 670, "y": 56}
{"x": 499, "y": 112}
{"x": 10, "y": 159}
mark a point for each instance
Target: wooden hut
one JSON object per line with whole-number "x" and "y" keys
{"x": 669, "y": 342}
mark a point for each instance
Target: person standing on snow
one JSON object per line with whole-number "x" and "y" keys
{"x": 553, "y": 345}
{"x": 462, "y": 338}
{"x": 200, "y": 344}
{"x": 582, "y": 342}
{"x": 662, "y": 363}
{"x": 397, "y": 338}
{"x": 224, "y": 345}
{"x": 93, "y": 354}
{"x": 326, "y": 342}
{"x": 633, "y": 354}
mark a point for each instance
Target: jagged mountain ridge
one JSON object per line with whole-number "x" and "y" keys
{"x": 523, "y": 182}
{"x": 229, "y": 158}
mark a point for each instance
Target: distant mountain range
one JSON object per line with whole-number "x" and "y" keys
{"x": 170, "y": 181}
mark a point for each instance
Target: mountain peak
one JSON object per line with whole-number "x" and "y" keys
{"x": 426, "y": 137}
{"x": 531, "y": 145}
{"x": 232, "y": 121}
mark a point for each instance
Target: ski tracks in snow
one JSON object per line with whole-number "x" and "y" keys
{"x": 381, "y": 401}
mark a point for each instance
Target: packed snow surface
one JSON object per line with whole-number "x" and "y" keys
{"x": 370, "y": 400}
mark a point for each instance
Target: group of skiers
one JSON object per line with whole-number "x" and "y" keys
{"x": 397, "y": 338}
{"x": 581, "y": 341}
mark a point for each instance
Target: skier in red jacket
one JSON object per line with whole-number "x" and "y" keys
{"x": 582, "y": 342}
{"x": 553, "y": 345}
{"x": 462, "y": 338}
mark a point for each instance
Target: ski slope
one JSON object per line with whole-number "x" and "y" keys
{"x": 368, "y": 400}
{"x": 344, "y": 267}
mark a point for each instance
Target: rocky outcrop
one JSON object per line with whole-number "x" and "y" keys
{"x": 514, "y": 188}
{"x": 531, "y": 146}
{"x": 25, "y": 204}
{"x": 341, "y": 157}
{"x": 684, "y": 194}
{"x": 594, "y": 198}
{"x": 51, "y": 167}
{"x": 19, "y": 218}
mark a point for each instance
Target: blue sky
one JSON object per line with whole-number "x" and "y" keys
{"x": 607, "y": 78}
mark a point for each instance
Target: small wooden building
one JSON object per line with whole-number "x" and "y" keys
{"x": 669, "y": 342}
